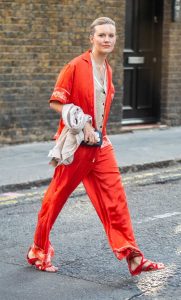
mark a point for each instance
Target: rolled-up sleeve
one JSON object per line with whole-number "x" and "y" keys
{"x": 63, "y": 86}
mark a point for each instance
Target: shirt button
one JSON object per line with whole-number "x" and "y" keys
{"x": 93, "y": 160}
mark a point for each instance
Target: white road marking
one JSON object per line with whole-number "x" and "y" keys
{"x": 177, "y": 229}
{"x": 178, "y": 251}
{"x": 167, "y": 215}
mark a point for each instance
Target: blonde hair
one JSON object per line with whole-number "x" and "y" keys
{"x": 100, "y": 21}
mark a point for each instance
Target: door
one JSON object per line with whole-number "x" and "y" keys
{"x": 142, "y": 61}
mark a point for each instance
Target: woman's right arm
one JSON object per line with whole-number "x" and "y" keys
{"x": 62, "y": 96}
{"x": 57, "y": 106}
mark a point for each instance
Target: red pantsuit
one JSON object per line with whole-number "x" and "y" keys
{"x": 95, "y": 167}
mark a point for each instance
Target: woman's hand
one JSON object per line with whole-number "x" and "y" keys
{"x": 89, "y": 135}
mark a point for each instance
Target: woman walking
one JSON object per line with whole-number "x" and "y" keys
{"x": 86, "y": 82}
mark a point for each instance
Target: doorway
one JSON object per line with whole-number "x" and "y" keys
{"x": 142, "y": 61}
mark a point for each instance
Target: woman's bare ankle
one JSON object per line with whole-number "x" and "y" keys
{"x": 31, "y": 254}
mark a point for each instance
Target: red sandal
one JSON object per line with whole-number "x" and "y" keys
{"x": 152, "y": 266}
{"x": 41, "y": 261}
{"x": 31, "y": 261}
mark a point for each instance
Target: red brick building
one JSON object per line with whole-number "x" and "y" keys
{"x": 39, "y": 37}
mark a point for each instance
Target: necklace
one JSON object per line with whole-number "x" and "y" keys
{"x": 101, "y": 71}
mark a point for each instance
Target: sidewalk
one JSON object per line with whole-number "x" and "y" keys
{"x": 27, "y": 164}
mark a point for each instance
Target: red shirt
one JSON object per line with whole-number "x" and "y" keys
{"x": 75, "y": 85}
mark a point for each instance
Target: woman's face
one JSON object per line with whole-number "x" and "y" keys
{"x": 104, "y": 38}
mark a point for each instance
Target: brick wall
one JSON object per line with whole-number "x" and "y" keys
{"x": 36, "y": 39}
{"x": 171, "y": 69}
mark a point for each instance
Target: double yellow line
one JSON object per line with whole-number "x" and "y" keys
{"x": 162, "y": 174}
{"x": 8, "y": 199}
{"x": 14, "y": 197}
{"x": 136, "y": 178}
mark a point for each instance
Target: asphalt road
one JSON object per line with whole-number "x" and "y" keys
{"x": 87, "y": 267}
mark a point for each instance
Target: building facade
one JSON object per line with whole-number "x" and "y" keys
{"x": 39, "y": 37}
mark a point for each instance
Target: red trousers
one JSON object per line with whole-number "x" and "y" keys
{"x": 97, "y": 169}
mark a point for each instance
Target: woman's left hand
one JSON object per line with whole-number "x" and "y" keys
{"x": 89, "y": 134}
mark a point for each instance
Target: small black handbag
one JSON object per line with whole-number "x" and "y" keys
{"x": 98, "y": 144}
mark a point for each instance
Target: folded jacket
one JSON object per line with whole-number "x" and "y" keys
{"x": 71, "y": 136}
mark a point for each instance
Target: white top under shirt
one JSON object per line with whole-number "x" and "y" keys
{"x": 99, "y": 96}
